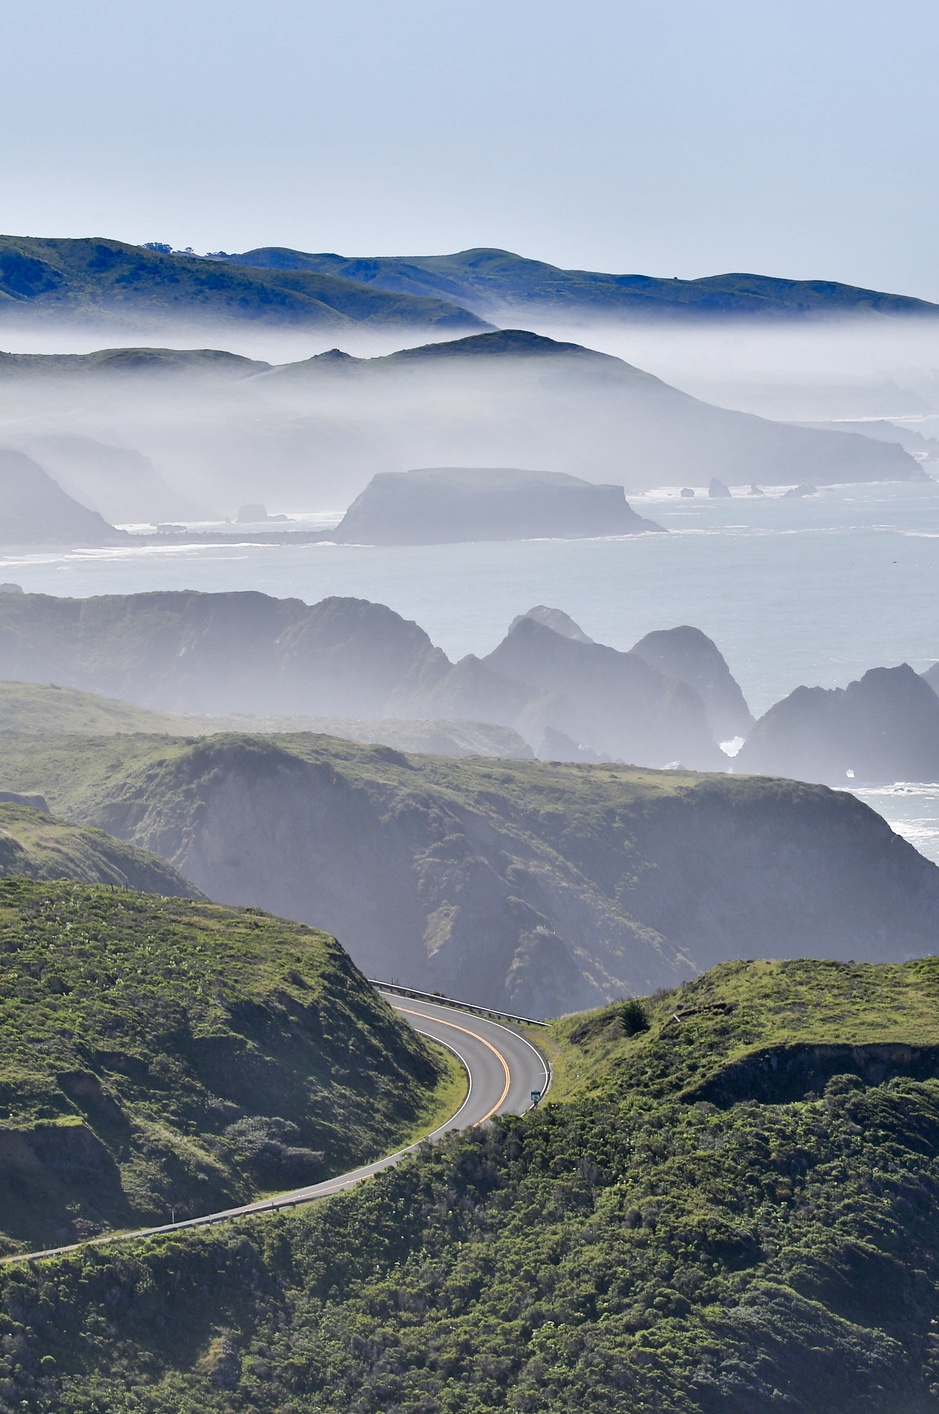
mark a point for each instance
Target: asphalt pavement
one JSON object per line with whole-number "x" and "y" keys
{"x": 503, "y": 1067}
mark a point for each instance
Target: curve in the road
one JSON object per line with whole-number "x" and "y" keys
{"x": 504, "y": 1070}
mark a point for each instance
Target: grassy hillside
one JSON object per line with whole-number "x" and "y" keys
{"x": 44, "y": 709}
{"x": 496, "y": 281}
{"x": 35, "y": 845}
{"x": 161, "y": 1055}
{"x": 633, "y": 1247}
{"x": 53, "y": 278}
{"x": 536, "y": 886}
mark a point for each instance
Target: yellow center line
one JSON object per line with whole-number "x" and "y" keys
{"x": 409, "y": 1011}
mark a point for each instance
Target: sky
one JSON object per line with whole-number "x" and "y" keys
{"x": 682, "y": 137}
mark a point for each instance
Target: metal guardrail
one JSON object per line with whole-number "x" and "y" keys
{"x": 452, "y": 1001}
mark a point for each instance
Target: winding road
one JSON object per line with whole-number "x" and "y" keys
{"x": 503, "y": 1070}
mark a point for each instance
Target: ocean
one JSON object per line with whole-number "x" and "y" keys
{"x": 810, "y": 590}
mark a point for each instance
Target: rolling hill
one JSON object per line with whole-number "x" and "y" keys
{"x": 37, "y": 845}
{"x": 95, "y": 278}
{"x": 630, "y": 1244}
{"x": 164, "y": 1054}
{"x": 223, "y": 431}
{"x": 497, "y": 284}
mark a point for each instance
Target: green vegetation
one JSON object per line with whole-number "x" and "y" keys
{"x": 44, "y": 709}
{"x": 535, "y": 886}
{"x": 494, "y": 281}
{"x": 39, "y": 709}
{"x": 51, "y": 277}
{"x": 632, "y": 1247}
{"x": 161, "y": 1055}
{"x": 39, "y": 846}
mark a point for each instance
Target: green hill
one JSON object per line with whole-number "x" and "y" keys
{"x": 635, "y": 1246}
{"x": 538, "y": 887}
{"x": 44, "y": 709}
{"x": 161, "y": 1055}
{"x": 496, "y": 282}
{"x": 35, "y": 845}
{"x": 95, "y": 277}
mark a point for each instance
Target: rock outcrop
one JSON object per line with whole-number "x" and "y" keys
{"x": 553, "y": 618}
{"x": 880, "y": 729}
{"x": 615, "y": 703}
{"x": 441, "y": 505}
{"x": 688, "y": 655}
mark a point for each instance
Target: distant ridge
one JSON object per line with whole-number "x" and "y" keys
{"x": 98, "y": 278}
{"x": 498, "y": 283}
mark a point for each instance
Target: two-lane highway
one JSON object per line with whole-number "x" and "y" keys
{"x": 503, "y": 1069}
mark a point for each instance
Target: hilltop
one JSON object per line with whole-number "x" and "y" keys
{"x": 49, "y": 710}
{"x": 730, "y": 1206}
{"x": 37, "y": 845}
{"x": 496, "y": 283}
{"x": 164, "y": 1054}
{"x": 533, "y": 886}
{"x": 95, "y": 278}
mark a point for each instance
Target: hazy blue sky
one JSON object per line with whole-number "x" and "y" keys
{"x": 675, "y": 137}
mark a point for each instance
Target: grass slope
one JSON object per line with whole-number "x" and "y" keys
{"x": 35, "y": 845}
{"x": 490, "y": 281}
{"x": 633, "y": 1247}
{"x": 161, "y": 1054}
{"x": 37, "y": 709}
{"x": 539, "y": 887}
{"x": 52, "y": 278}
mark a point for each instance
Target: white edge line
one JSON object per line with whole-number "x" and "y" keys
{"x": 545, "y": 1064}
{"x": 295, "y": 1198}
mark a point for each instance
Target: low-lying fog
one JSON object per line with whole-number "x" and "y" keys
{"x": 198, "y": 442}
{"x": 880, "y": 368}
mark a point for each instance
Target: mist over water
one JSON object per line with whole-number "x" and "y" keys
{"x": 813, "y": 590}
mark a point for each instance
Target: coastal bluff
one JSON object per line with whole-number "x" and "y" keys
{"x": 444, "y": 505}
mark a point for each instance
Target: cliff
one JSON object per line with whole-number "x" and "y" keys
{"x": 616, "y": 703}
{"x": 225, "y": 655}
{"x": 687, "y": 655}
{"x": 447, "y": 504}
{"x": 221, "y": 653}
{"x": 527, "y": 885}
{"x": 880, "y": 729}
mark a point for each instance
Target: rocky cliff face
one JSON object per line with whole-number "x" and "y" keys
{"x": 688, "y": 655}
{"x": 537, "y": 887}
{"x": 616, "y": 703}
{"x": 882, "y": 728}
{"x": 223, "y": 654}
{"x": 442, "y": 505}
{"x": 243, "y": 652}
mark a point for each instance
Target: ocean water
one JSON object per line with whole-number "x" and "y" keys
{"x": 808, "y": 590}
